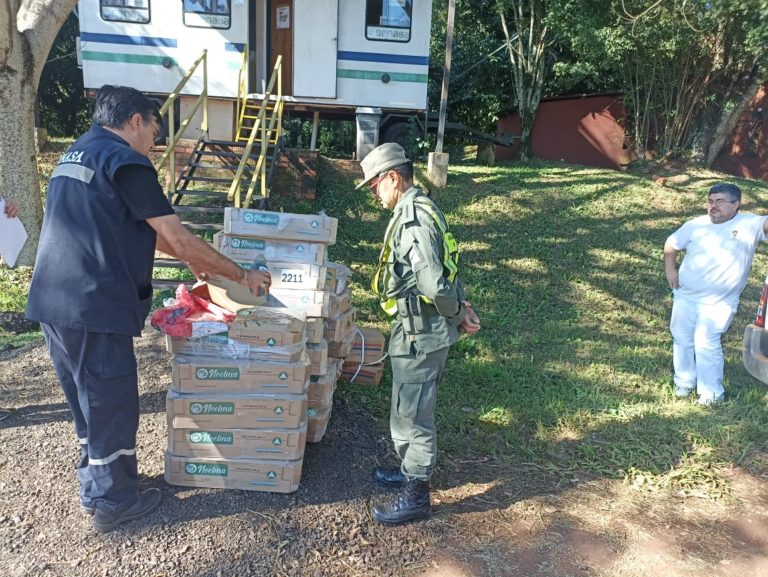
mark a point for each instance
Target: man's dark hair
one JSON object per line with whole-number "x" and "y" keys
{"x": 733, "y": 191}
{"x": 116, "y": 104}
{"x": 405, "y": 170}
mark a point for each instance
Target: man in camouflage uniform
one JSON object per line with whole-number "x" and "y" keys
{"x": 418, "y": 284}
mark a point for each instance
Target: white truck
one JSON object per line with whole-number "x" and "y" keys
{"x": 340, "y": 57}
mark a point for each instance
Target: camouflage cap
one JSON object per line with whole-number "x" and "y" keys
{"x": 383, "y": 157}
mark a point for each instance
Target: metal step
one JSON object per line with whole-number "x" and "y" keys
{"x": 198, "y": 209}
{"x": 206, "y": 179}
{"x": 193, "y": 192}
{"x": 199, "y": 226}
{"x": 164, "y": 283}
{"x": 169, "y": 263}
{"x": 254, "y": 153}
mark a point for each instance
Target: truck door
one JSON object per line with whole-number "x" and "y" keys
{"x": 315, "y": 37}
{"x": 281, "y": 40}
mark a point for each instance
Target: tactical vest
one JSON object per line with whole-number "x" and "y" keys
{"x": 380, "y": 281}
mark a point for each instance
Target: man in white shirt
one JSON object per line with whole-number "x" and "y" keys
{"x": 719, "y": 248}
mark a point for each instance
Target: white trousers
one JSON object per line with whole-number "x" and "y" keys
{"x": 697, "y": 351}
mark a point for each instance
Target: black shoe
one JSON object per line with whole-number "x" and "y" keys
{"x": 149, "y": 500}
{"x": 389, "y": 477}
{"x": 411, "y": 505}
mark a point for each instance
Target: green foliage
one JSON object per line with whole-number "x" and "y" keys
{"x": 480, "y": 85}
{"x": 15, "y": 287}
{"x": 64, "y": 110}
{"x": 334, "y": 137}
{"x": 680, "y": 64}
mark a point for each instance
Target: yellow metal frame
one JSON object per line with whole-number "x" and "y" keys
{"x": 270, "y": 133}
{"x": 168, "y": 108}
{"x": 242, "y": 94}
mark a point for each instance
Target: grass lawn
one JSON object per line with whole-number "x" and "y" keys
{"x": 572, "y": 370}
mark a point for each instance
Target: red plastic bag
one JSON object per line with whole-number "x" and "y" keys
{"x": 177, "y": 320}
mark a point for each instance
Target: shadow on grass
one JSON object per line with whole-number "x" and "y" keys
{"x": 572, "y": 368}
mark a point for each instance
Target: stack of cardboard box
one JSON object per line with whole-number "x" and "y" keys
{"x": 237, "y": 408}
{"x": 295, "y": 249}
{"x": 337, "y": 333}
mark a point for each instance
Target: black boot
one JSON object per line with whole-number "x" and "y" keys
{"x": 390, "y": 477}
{"x": 411, "y": 505}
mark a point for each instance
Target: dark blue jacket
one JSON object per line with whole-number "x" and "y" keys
{"x": 94, "y": 261}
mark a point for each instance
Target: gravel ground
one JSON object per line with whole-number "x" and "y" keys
{"x": 322, "y": 529}
{"x": 490, "y": 519}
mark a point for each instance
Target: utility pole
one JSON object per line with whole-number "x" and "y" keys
{"x": 437, "y": 165}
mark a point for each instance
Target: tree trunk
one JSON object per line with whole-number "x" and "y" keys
{"x": 27, "y": 32}
{"x": 728, "y": 121}
{"x": 18, "y": 163}
{"x": 527, "y": 116}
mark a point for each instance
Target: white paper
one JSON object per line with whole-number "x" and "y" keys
{"x": 13, "y": 235}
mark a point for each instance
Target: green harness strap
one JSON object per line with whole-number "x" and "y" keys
{"x": 380, "y": 282}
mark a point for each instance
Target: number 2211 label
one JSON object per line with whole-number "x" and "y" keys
{"x": 292, "y": 276}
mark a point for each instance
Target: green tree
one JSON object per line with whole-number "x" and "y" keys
{"x": 687, "y": 68}
{"x": 64, "y": 109}
{"x": 527, "y": 40}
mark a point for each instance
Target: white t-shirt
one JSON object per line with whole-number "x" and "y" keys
{"x": 717, "y": 256}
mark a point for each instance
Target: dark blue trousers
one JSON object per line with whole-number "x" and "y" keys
{"x": 97, "y": 372}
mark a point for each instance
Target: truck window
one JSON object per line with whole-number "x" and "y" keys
{"x": 388, "y": 20}
{"x": 207, "y": 13}
{"x": 125, "y": 11}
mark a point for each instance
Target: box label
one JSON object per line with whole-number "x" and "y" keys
{"x": 221, "y": 338}
{"x": 212, "y": 408}
{"x": 217, "y": 373}
{"x": 217, "y": 470}
{"x": 211, "y": 438}
{"x": 292, "y": 276}
{"x": 247, "y": 243}
{"x": 258, "y": 218}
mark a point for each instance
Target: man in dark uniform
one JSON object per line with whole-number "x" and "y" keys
{"x": 91, "y": 290}
{"x": 417, "y": 281}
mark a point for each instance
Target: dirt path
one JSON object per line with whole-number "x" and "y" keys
{"x": 490, "y": 518}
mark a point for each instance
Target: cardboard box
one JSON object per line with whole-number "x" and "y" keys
{"x": 369, "y": 346}
{"x": 270, "y": 327}
{"x": 313, "y": 303}
{"x": 232, "y": 295}
{"x": 245, "y": 474}
{"x": 232, "y": 411}
{"x": 196, "y": 374}
{"x": 341, "y": 350}
{"x": 339, "y": 303}
{"x": 337, "y": 277}
{"x": 247, "y": 249}
{"x": 281, "y": 444}
{"x": 317, "y": 424}
{"x": 368, "y": 374}
{"x": 222, "y": 346}
{"x": 338, "y": 363}
{"x": 315, "y": 329}
{"x": 280, "y": 225}
{"x": 318, "y": 358}
{"x": 338, "y": 328}
{"x": 294, "y": 275}
{"x": 322, "y": 387}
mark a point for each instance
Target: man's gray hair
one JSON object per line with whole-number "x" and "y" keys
{"x": 733, "y": 191}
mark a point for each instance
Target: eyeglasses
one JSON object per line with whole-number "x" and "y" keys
{"x": 719, "y": 201}
{"x": 155, "y": 129}
{"x": 374, "y": 184}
